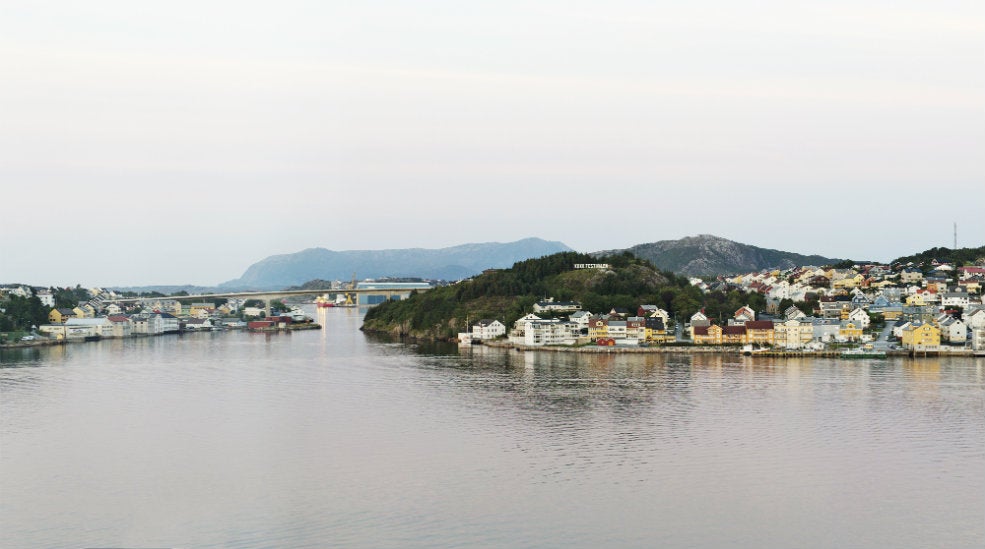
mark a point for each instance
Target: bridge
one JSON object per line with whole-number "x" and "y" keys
{"x": 370, "y": 293}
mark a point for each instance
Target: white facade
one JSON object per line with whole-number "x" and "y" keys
{"x": 793, "y": 334}
{"x": 47, "y": 298}
{"x": 860, "y": 318}
{"x": 975, "y": 320}
{"x": 93, "y": 326}
{"x": 488, "y": 329}
{"x": 978, "y": 339}
{"x": 550, "y": 332}
{"x": 954, "y": 331}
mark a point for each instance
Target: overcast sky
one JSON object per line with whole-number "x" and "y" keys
{"x": 179, "y": 142}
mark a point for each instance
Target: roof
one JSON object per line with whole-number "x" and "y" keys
{"x": 87, "y": 321}
{"x": 735, "y": 329}
{"x": 759, "y": 325}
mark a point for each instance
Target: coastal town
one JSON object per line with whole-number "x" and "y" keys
{"x": 864, "y": 310}
{"x": 101, "y": 316}
{"x": 872, "y": 310}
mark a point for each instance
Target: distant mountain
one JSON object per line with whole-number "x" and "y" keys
{"x": 452, "y": 263}
{"x": 707, "y": 255}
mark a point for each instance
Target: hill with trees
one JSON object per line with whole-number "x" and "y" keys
{"x": 509, "y": 294}
{"x": 958, "y": 256}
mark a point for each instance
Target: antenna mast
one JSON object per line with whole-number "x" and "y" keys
{"x": 955, "y": 235}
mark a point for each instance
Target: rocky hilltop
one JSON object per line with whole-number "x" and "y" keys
{"x": 708, "y": 255}
{"x": 454, "y": 263}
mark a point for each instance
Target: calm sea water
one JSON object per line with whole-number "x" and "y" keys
{"x": 330, "y": 438}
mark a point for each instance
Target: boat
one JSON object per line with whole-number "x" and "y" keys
{"x": 862, "y": 353}
{"x": 749, "y": 350}
{"x": 323, "y": 301}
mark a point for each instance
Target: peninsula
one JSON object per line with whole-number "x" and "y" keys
{"x": 572, "y": 300}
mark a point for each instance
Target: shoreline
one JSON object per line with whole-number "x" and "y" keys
{"x": 709, "y": 349}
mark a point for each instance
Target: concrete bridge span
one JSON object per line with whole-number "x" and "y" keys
{"x": 370, "y": 294}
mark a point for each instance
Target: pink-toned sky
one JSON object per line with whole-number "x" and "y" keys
{"x": 179, "y": 142}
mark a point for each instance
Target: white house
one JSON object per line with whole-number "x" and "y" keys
{"x": 955, "y": 299}
{"x": 792, "y": 312}
{"x": 953, "y": 330}
{"x": 47, "y": 298}
{"x": 581, "y": 319}
{"x": 198, "y": 324}
{"x": 558, "y": 306}
{"x": 520, "y": 327}
{"x": 975, "y": 319}
{"x": 860, "y": 317}
{"x": 254, "y": 312}
{"x": 83, "y": 327}
{"x": 744, "y": 314}
{"x": 550, "y": 332}
{"x": 488, "y": 329}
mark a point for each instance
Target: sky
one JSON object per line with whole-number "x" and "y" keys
{"x": 179, "y": 142}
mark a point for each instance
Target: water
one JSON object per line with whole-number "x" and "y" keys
{"x": 330, "y": 438}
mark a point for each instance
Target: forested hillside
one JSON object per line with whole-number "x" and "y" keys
{"x": 508, "y": 294}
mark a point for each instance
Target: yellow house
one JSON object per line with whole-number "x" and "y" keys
{"x": 923, "y": 335}
{"x": 760, "y": 332}
{"x": 59, "y": 316}
{"x": 850, "y": 331}
{"x": 849, "y": 282}
{"x": 85, "y": 311}
{"x": 708, "y": 335}
{"x": 893, "y": 314}
{"x": 916, "y": 300}
{"x": 597, "y": 328}
{"x": 972, "y": 285}
{"x": 656, "y": 332}
{"x": 201, "y": 310}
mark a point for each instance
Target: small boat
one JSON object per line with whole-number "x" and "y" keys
{"x": 323, "y": 301}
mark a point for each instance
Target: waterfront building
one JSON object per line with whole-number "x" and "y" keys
{"x": 707, "y": 335}
{"x": 60, "y": 316}
{"x": 794, "y": 333}
{"x": 656, "y": 330}
{"x": 921, "y": 337}
{"x": 488, "y": 329}
{"x": 760, "y": 332}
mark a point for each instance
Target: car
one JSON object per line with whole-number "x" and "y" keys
{"x": 28, "y": 338}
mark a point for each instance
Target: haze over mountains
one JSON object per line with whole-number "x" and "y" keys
{"x": 702, "y": 255}
{"x": 452, "y": 263}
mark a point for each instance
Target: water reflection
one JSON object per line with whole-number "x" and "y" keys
{"x": 259, "y": 440}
